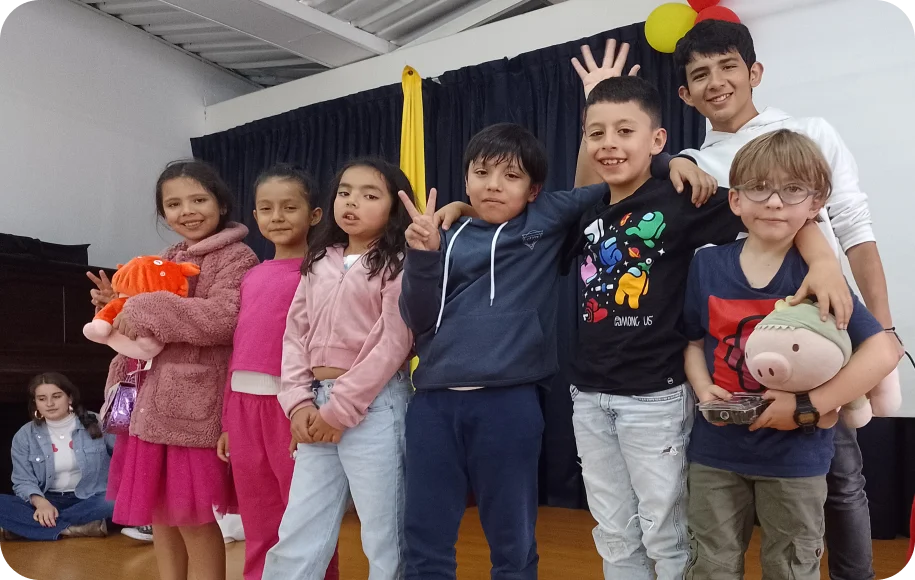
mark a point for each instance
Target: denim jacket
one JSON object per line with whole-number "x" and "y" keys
{"x": 33, "y": 461}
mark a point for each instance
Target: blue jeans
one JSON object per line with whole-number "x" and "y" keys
{"x": 18, "y": 516}
{"x": 848, "y": 522}
{"x": 633, "y": 459}
{"x": 367, "y": 463}
{"x": 487, "y": 441}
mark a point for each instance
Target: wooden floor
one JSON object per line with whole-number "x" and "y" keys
{"x": 564, "y": 536}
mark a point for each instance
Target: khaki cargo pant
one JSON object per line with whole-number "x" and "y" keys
{"x": 720, "y": 516}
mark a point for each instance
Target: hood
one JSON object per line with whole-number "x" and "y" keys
{"x": 233, "y": 232}
{"x": 768, "y": 116}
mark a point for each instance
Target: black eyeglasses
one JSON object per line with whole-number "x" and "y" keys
{"x": 760, "y": 191}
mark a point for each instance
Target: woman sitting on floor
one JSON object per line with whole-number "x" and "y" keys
{"x": 60, "y": 468}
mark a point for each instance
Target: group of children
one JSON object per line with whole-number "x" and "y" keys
{"x": 316, "y": 343}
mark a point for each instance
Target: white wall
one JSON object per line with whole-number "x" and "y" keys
{"x": 853, "y": 63}
{"x": 90, "y": 112}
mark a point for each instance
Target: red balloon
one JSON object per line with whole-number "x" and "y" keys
{"x": 700, "y": 5}
{"x": 717, "y": 13}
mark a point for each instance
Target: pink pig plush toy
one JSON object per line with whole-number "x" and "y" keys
{"x": 792, "y": 350}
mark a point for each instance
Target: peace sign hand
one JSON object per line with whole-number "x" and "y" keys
{"x": 612, "y": 66}
{"x": 422, "y": 234}
{"x": 104, "y": 292}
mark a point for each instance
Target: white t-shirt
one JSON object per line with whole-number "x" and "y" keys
{"x": 846, "y": 218}
{"x": 66, "y": 471}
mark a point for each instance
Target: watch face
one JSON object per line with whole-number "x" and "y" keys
{"x": 806, "y": 418}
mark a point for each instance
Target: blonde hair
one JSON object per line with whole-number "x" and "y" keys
{"x": 793, "y": 153}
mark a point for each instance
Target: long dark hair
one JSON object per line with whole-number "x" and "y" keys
{"x": 387, "y": 253}
{"x": 89, "y": 421}
{"x": 208, "y": 177}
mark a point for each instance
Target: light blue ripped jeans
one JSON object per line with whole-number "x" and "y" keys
{"x": 367, "y": 463}
{"x": 633, "y": 459}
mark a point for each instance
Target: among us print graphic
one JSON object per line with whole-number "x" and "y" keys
{"x": 617, "y": 265}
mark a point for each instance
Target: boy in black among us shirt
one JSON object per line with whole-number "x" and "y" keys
{"x": 633, "y": 410}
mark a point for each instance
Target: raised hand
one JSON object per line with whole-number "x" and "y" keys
{"x": 612, "y": 65}
{"x": 422, "y": 234}
{"x": 103, "y": 293}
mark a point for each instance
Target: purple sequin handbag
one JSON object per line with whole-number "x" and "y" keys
{"x": 116, "y": 419}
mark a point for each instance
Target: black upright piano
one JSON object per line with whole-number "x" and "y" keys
{"x": 44, "y": 303}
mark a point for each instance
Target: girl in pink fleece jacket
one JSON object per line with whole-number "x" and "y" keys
{"x": 167, "y": 471}
{"x": 344, "y": 383}
{"x": 252, "y": 419}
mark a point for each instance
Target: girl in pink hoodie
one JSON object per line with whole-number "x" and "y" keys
{"x": 252, "y": 419}
{"x": 344, "y": 383}
{"x": 166, "y": 472}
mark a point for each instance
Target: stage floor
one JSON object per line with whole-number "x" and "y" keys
{"x": 564, "y": 536}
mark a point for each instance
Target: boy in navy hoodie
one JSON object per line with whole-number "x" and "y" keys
{"x": 480, "y": 299}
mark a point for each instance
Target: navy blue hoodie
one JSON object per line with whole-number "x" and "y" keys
{"x": 496, "y": 324}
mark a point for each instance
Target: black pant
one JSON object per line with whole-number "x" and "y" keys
{"x": 848, "y": 523}
{"x": 487, "y": 440}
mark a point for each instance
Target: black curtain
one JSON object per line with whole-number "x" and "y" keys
{"x": 319, "y": 137}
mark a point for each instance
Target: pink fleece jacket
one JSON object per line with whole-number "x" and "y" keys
{"x": 341, "y": 318}
{"x": 180, "y": 398}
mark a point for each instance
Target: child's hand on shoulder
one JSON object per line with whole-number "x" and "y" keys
{"x": 300, "y": 423}
{"x": 780, "y": 412}
{"x": 683, "y": 171}
{"x": 322, "y": 432}
{"x": 826, "y": 282}
{"x": 422, "y": 234}
{"x": 452, "y": 213}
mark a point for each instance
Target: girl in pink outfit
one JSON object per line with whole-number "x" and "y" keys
{"x": 167, "y": 472}
{"x": 252, "y": 419}
{"x": 344, "y": 382}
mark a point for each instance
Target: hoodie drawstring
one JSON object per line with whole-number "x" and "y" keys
{"x": 492, "y": 265}
{"x": 445, "y": 278}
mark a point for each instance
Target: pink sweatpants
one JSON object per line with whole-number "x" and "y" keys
{"x": 262, "y": 472}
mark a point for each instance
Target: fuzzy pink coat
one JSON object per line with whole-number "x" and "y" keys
{"x": 180, "y": 398}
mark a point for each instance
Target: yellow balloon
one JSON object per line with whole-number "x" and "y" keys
{"x": 667, "y": 24}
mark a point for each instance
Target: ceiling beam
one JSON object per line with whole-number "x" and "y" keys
{"x": 330, "y": 25}
{"x": 479, "y": 15}
{"x": 297, "y": 62}
{"x": 202, "y": 46}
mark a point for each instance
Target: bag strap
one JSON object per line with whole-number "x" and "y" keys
{"x": 134, "y": 369}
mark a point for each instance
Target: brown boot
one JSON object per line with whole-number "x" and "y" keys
{"x": 96, "y": 529}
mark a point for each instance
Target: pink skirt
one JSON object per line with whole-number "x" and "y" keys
{"x": 151, "y": 483}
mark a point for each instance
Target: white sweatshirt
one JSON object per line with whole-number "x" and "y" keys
{"x": 846, "y": 215}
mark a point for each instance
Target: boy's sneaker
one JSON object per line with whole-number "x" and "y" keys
{"x": 141, "y": 533}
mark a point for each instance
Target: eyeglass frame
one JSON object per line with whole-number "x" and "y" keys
{"x": 745, "y": 188}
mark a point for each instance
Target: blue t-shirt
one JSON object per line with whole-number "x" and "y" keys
{"x": 723, "y": 308}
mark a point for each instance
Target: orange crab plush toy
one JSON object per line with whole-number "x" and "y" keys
{"x": 140, "y": 275}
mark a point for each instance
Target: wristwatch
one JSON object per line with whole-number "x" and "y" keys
{"x": 805, "y": 414}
